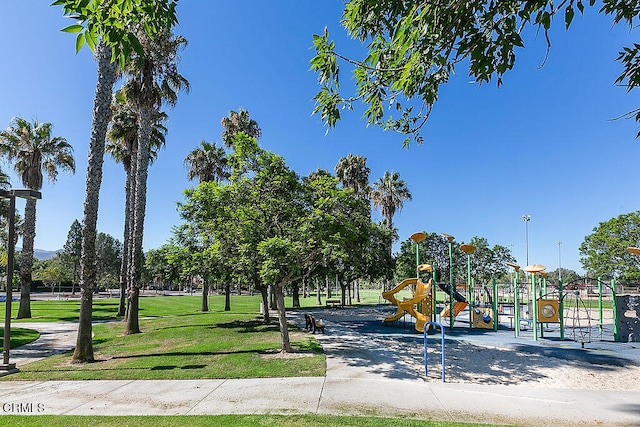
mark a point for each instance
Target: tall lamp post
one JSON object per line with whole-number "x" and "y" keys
{"x": 450, "y": 238}
{"x": 526, "y": 219}
{"x": 11, "y": 195}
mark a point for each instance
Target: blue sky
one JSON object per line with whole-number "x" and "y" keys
{"x": 543, "y": 144}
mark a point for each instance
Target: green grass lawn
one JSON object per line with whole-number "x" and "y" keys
{"x": 19, "y": 336}
{"x": 179, "y": 342}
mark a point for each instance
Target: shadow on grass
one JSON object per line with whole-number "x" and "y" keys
{"x": 172, "y": 367}
{"x": 248, "y": 326}
{"x": 199, "y": 353}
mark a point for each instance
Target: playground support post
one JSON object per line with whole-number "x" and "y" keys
{"x": 495, "y": 305}
{"x": 451, "y": 315}
{"x": 561, "y": 309}
{"x": 600, "y": 304}
{"x": 614, "y": 305}
{"x": 469, "y": 249}
{"x": 516, "y": 306}
{"x": 426, "y": 327}
{"x": 450, "y": 238}
{"x": 469, "y": 297}
{"x": 433, "y": 294}
{"x": 535, "y": 306}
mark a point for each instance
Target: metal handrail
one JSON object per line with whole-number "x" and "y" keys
{"x": 426, "y": 327}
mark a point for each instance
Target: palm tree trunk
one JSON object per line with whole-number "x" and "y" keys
{"x": 139, "y": 210}
{"x": 124, "y": 267}
{"x": 26, "y": 264}
{"x": 101, "y": 116}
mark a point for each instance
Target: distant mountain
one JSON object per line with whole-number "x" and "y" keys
{"x": 41, "y": 254}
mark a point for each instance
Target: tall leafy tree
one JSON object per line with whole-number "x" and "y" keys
{"x": 123, "y": 147}
{"x": 412, "y": 48}
{"x": 108, "y": 255}
{"x": 71, "y": 253}
{"x": 207, "y": 163}
{"x": 35, "y": 152}
{"x": 389, "y": 194}
{"x": 108, "y": 28}
{"x": 487, "y": 262}
{"x": 604, "y": 251}
{"x": 267, "y": 216}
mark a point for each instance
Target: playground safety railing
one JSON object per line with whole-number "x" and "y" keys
{"x": 426, "y": 328}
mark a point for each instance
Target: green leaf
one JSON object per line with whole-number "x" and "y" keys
{"x": 79, "y": 42}
{"x": 91, "y": 40}
{"x": 568, "y": 16}
{"x": 75, "y": 28}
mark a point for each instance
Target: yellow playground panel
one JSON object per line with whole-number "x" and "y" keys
{"x": 418, "y": 306}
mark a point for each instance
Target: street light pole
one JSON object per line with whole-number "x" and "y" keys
{"x": 526, "y": 219}
{"x": 11, "y": 195}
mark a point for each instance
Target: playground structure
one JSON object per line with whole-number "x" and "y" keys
{"x": 419, "y": 306}
{"x": 582, "y": 310}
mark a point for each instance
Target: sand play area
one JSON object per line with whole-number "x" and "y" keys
{"x": 357, "y": 339}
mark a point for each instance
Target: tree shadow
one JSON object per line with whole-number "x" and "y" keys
{"x": 359, "y": 339}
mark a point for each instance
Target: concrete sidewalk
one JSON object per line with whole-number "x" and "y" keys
{"x": 363, "y": 378}
{"x": 322, "y": 395}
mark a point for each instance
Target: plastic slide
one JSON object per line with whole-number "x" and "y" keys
{"x": 458, "y": 306}
{"x": 390, "y": 295}
{"x": 456, "y": 295}
{"x": 422, "y": 295}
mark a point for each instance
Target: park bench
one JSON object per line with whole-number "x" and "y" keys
{"x": 317, "y": 325}
{"x": 334, "y": 302}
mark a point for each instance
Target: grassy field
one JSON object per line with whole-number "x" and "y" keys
{"x": 153, "y": 305}
{"x": 179, "y": 342}
{"x": 306, "y": 420}
{"x": 19, "y": 336}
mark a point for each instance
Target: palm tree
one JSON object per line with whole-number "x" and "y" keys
{"x": 353, "y": 173}
{"x": 207, "y": 163}
{"x": 34, "y": 152}
{"x": 101, "y": 21}
{"x": 389, "y": 194}
{"x": 122, "y": 146}
{"x": 237, "y": 122}
{"x": 154, "y": 80}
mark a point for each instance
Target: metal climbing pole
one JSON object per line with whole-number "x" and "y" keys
{"x": 426, "y": 327}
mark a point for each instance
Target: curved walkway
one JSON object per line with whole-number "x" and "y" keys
{"x": 364, "y": 377}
